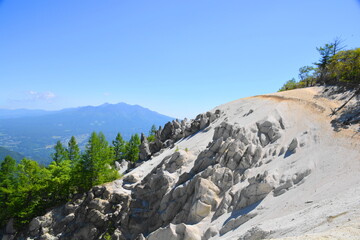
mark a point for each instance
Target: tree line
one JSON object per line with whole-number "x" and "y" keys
{"x": 27, "y": 189}
{"x": 335, "y": 66}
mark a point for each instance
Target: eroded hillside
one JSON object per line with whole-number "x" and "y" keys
{"x": 269, "y": 166}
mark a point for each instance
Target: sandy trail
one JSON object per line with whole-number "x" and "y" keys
{"x": 310, "y": 99}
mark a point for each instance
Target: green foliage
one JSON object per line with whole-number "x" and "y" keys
{"x": 29, "y": 195}
{"x": 334, "y": 67}
{"x": 119, "y": 147}
{"x": 73, "y": 150}
{"x": 95, "y": 165}
{"x": 60, "y": 185}
{"x": 345, "y": 66}
{"x": 151, "y": 138}
{"x": 107, "y": 236}
{"x": 28, "y": 189}
{"x": 132, "y": 148}
{"x": 152, "y": 134}
{"x": 60, "y": 153}
{"x": 7, "y": 171}
{"x": 152, "y": 130}
{"x": 289, "y": 85}
{"x": 305, "y": 76}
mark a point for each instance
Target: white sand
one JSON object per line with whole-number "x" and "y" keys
{"x": 326, "y": 204}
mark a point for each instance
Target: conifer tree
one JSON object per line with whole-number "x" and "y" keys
{"x": 152, "y": 133}
{"x": 73, "y": 150}
{"x": 95, "y": 164}
{"x": 60, "y": 153}
{"x": 152, "y": 130}
{"x": 119, "y": 147}
{"x": 132, "y": 148}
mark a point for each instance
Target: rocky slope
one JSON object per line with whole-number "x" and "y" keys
{"x": 270, "y": 166}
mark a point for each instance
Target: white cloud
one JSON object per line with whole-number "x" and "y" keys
{"x": 34, "y": 95}
{"x": 32, "y": 99}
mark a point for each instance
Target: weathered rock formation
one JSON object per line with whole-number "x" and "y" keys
{"x": 170, "y": 200}
{"x": 174, "y": 131}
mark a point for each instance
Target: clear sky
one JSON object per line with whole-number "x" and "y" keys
{"x": 176, "y": 57}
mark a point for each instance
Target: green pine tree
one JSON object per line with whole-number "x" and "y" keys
{"x": 73, "y": 150}
{"x": 119, "y": 146}
{"x": 95, "y": 165}
{"x": 132, "y": 148}
{"x": 60, "y": 153}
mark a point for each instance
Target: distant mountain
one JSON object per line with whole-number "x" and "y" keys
{"x": 34, "y": 136}
{"x": 5, "y": 152}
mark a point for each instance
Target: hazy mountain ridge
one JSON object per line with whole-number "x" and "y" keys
{"x": 5, "y": 152}
{"x": 34, "y": 136}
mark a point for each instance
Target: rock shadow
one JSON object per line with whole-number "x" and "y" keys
{"x": 241, "y": 212}
{"x": 288, "y": 153}
{"x": 348, "y": 117}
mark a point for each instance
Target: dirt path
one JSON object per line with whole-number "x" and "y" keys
{"x": 309, "y": 98}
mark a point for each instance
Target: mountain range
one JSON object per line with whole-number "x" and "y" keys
{"x": 33, "y": 133}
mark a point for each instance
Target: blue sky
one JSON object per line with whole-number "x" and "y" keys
{"x": 179, "y": 58}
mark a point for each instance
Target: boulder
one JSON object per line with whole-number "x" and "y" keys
{"x": 122, "y": 166}
{"x": 34, "y": 225}
{"x": 223, "y": 207}
{"x": 144, "y": 149}
{"x": 155, "y": 146}
{"x": 176, "y": 232}
{"x": 199, "y": 211}
{"x": 177, "y": 160}
{"x": 264, "y": 140}
{"x": 270, "y": 128}
{"x": 96, "y": 217}
{"x": 259, "y": 187}
{"x": 99, "y": 204}
{"x": 10, "y": 228}
{"x": 207, "y": 192}
{"x": 210, "y": 232}
{"x": 87, "y": 232}
{"x": 188, "y": 232}
{"x": 205, "y": 200}
{"x": 167, "y": 132}
{"x": 132, "y": 178}
{"x": 168, "y": 233}
{"x": 98, "y": 191}
{"x": 293, "y": 145}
